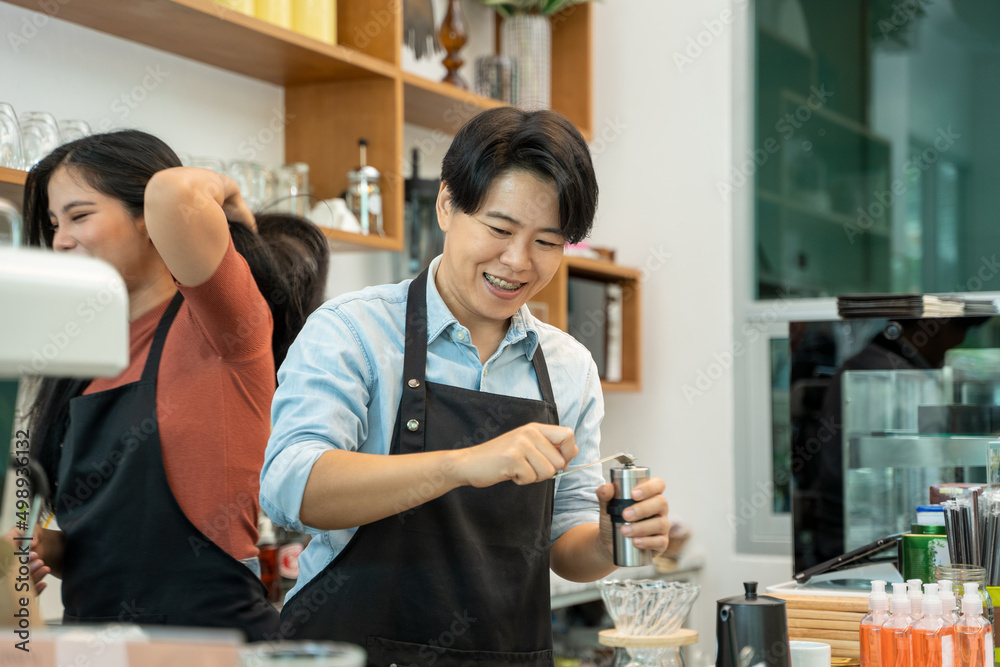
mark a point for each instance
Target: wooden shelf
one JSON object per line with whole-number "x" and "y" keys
{"x": 12, "y": 185}
{"x": 600, "y": 269}
{"x": 10, "y": 176}
{"x": 335, "y": 94}
{"x": 622, "y": 387}
{"x": 555, "y": 297}
{"x": 212, "y": 34}
{"x": 340, "y": 240}
{"x": 441, "y": 106}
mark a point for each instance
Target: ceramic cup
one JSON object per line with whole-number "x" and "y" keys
{"x": 809, "y": 654}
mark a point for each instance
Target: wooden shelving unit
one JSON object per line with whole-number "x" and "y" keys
{"x": 440, "y": 106}
{"x": 336, "y": 94}
{"x": 555, "y": 296}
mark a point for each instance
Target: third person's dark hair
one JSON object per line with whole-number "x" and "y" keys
{"x": 542, "y": 143}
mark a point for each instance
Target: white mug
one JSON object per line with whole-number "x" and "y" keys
{"x": 809, "y": 654}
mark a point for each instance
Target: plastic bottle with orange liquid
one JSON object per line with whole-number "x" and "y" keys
{"x": 933, "y": 636}
{"x": 871, "y": 626}
{"x": 896, "y": 633}
{"x": 949, "y": 611}
{"x": 973, "y": 633}
{"x": 914, "y": 592}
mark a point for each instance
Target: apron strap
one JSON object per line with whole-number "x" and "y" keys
{"x": 542, "y": 373}
{"x": 160, "y": 337}
{"x": 413, "y": 405}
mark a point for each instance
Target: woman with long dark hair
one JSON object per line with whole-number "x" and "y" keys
{"x": 154, "y": 473}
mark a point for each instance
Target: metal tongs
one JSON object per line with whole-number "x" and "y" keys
{"x": 621, "y": 457}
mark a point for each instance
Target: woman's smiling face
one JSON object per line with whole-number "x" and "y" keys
{"x": 500, "y": 257}
{"x": 86, "y": 221}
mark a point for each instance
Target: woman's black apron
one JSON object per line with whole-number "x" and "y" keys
{"x": 131, "y": 553}
{"x": 462, "y": 579}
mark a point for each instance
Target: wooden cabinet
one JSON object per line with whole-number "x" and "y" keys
{"x": 335, "y": 94}
{"x": 555, "y": 297}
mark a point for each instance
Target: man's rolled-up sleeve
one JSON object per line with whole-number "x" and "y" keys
{"x": 321, "y": 404}
{"x": 576, "y": 495}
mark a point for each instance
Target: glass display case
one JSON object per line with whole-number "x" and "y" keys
{"x": 889, "y": 464}
{"x": 879, "y": 412}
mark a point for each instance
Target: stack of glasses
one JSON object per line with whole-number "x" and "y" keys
{"x": 284, "y": 189}
{"x": 26, "y": 139}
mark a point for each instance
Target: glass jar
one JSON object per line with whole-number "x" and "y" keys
{"x": 962, "y": 574}
{"x": 292, "y": 191}
{"x": 254, "y": 181}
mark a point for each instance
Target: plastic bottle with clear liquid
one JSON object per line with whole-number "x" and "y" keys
{"x": 896, "y": 633}
{"x": 913, "y": 591}
{"x": 973, "y": 633}
{"x": 871, "y": 625}
{"x": 948, "y": 610}
{"x": 933, "y": 636}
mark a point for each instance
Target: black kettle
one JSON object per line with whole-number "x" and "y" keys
{"x": 751, "y": 630}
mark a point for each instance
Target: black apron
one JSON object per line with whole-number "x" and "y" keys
{"x": 131, "y": 554}
{"x": 462, "y": 579}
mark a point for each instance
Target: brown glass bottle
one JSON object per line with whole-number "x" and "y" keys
{"x": 268, "y": 555}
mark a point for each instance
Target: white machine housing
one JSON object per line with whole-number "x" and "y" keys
{"x": 61, "y": 315}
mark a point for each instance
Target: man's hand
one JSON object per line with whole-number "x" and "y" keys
{"x": 648, "y": 525}
{"x": 528, "y": 454}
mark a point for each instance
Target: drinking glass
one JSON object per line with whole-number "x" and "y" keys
{"x": 292, "y": 191}
{"x": 254, "y": 181}
{"x": 39, "y": 136}
{"x": 10, "y": 138}
{"x": 203, "y": 162}
{"x": 496, "y": 77}
{"x": 71, "y": 130}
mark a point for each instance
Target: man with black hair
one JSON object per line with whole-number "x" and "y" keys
{"x": 418, "y": 427}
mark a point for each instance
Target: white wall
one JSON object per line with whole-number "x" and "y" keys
{"x": 663, "y": 138}
{"x": 661, "y": 209}
{"x": 111, "y": 83}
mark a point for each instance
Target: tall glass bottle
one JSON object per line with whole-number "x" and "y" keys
{"x": 267, "y": 546}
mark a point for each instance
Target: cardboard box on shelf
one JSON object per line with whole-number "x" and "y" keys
{"x": 942, "y": 492}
